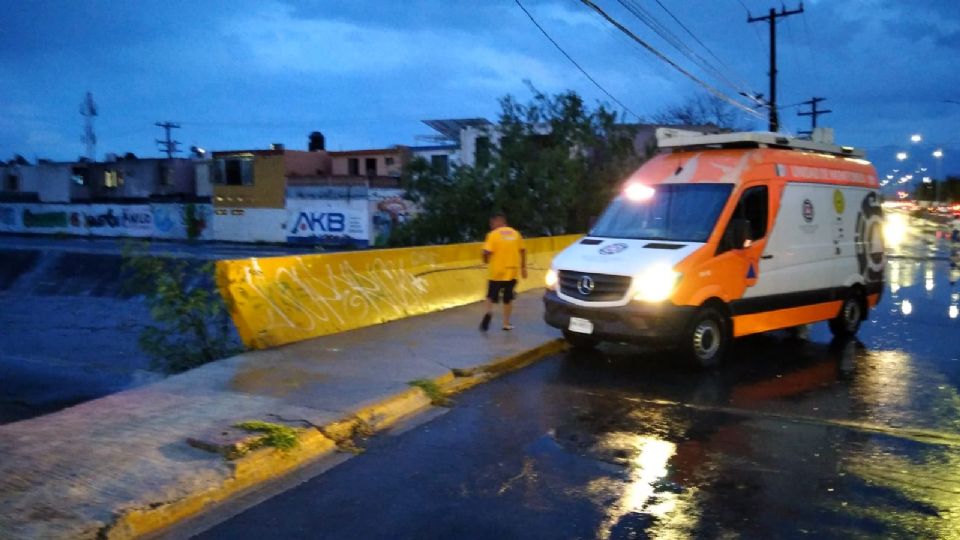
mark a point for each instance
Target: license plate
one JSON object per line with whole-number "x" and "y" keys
{"x": 580, "y": 326}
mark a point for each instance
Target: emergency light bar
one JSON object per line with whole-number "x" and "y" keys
{"x": 681, "y": 138}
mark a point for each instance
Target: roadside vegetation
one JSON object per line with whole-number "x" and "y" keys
{"x": 277, "y": 436}
{"x": 191, "y": 324}
{"x": 551, "y": 164}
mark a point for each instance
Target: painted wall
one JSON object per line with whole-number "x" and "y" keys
{"x": 341, "y": 162}
{"x": 170, "y": 221}
{"x": 268, "y": 189}
{"x": 278, "y": 300}
{"x": 342, "y": 222}
{"x": 388, "y": 210}
{"x": 250, "y": 224}
{"x": 142, "y": 178}
{"x": 300, "y": 163}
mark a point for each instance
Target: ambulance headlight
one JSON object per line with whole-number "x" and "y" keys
{"x": 656, "y": 284}
{"x": 551, "y": 279}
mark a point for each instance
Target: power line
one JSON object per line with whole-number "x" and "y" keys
{"x": 670, "y": 62}
{"x": 168, "y": 145}
{"x": 813, "y": 113}
{"x": 694, "y": 36}
{"x": 650, "y": 21}
{"x": 574, "y": 62}
{"x": 89, "y": 109}
{"x": 771, "y": 19}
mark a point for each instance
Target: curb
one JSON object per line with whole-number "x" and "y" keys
{"x": 265, "y": 464}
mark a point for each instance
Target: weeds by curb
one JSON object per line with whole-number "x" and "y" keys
{"x": 275, "y": 435}
{"x": 433, "y": 391}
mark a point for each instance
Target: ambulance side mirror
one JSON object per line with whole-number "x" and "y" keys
{"x": 737, "y": 233}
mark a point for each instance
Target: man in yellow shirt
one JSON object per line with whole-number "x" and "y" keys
{"x": 503, "y": 250}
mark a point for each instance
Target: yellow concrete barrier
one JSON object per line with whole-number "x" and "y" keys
{"x": 278, "y": 300}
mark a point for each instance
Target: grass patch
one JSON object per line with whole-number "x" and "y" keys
{"x": 277, "y": 435}
{"x": 433, "y": 391}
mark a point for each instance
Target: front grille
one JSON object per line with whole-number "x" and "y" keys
{"x": 606, "y": 287}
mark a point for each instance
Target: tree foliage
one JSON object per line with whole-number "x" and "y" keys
{"x": 703, "y": 109}
{"x": 192, "y": 324}
{"x": 556, "y": 165}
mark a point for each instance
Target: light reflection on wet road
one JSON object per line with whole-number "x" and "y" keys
{"x": 790, "y": 438}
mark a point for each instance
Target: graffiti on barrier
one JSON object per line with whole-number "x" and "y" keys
{"x": 281, "y": 300}
{"x": 44, "y": 220}
{"x": 298, "y": 298}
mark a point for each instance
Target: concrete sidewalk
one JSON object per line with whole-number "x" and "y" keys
{"x": 121, "y": 466}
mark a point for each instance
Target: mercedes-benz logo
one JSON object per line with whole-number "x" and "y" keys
{"x": 585, "y": 285}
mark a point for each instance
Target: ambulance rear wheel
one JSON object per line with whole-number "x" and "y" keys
{"x": 706, "y": 338}
{"x": 579, "y": 342}
{"x": 852, "y": 313}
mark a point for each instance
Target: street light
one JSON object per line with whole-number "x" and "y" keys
{"x": 916, "y": 138}
{"x": 938, "y": 153}
{"x": 901, "y": 156}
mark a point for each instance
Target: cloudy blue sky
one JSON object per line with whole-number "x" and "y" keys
{"x": 245, "y": 73}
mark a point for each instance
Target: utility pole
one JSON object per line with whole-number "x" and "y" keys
{"x": 813, "y": 113}
{"x": 89, "y": 109}
{"x": 168, "y": 145}
{"x": 771, "y": 18}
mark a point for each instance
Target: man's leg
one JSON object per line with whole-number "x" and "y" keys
{"x": 492, "y": 294}
{"x": 508, "y": 304}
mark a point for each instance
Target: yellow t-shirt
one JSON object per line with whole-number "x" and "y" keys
{"x": 504, "y": 245}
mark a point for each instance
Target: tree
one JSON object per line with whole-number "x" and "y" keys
{"x": 192, "y": 324}
{"x": 704, "y": 109}
{"x": 557, "y": 164}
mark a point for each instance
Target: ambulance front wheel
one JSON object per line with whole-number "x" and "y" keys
{"x": 707, "y": 337}
{"x": 852, "y": 313}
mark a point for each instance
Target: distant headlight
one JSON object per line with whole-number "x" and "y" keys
{"x": 656, "y": 284}
{"x": 551, "y": 279}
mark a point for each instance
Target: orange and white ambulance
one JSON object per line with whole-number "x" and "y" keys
{"x": 721, "y": 236}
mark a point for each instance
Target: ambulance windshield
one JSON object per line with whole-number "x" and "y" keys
{"x": 677, "y": 212}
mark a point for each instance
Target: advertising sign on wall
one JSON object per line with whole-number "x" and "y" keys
{"x": 333, "y": 222}
{"x": 125, "y": 220}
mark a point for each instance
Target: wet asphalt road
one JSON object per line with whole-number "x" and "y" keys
{"x": 790, "y": 438}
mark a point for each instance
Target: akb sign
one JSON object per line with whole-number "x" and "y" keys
{"x": 321, "y": 222}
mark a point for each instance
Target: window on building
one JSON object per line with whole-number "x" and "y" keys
{"x": 234, "y": 171}
{"x": 112, "y": 179}
{"x": 353, "y": 167}
{"x": 389, "y": 161}
{"x": 166, "y": 175}
{"x": 440, "y": 164}
{"x": 78, "y": 175}
{"x": 11, "y": 183}
{"x": 482, "y": 157}
{"x": 370, "y": 166}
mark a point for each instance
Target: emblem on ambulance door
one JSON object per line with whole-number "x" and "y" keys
{"x": 838, "y": 203}
{"x": 807, "y": 210}
{"x": 869, "y": 238}
{"x": 613, "y": 249}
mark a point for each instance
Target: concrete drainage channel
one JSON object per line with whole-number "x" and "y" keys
{"x": 254, "y": 461}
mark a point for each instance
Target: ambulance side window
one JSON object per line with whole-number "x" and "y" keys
{"x": 753, "y": 206}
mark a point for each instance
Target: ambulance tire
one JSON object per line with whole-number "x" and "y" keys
{"x": 707, "y": 337}
{"x": 852, "y": 312}
{"x": 579, "y": 342}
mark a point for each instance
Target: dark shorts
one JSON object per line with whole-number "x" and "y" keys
{"x": 494, "y": 288}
